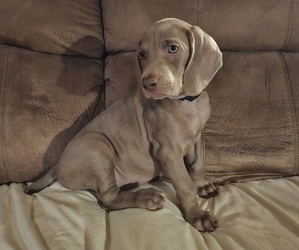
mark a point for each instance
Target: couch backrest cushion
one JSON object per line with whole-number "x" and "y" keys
{"x": 51, "y": 78}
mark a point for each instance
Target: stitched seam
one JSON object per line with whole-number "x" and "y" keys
{"x": 292, "y": 112}
{"x": 291, "y": 13}
{"x": 103, "y": 87}
{"x": 3, "y": 102}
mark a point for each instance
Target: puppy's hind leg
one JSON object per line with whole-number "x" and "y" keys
{"x": 113, "y": 198}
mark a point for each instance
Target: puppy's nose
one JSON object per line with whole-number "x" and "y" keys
{"x": 149, "y": 84}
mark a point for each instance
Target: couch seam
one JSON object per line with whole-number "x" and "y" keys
{"x": 3, "y": 104}
{"x": 104, "y": 55}
{"x": 291, "y": 106}
{"x": 199, "y": 13}
{"x": 291, "y": 12}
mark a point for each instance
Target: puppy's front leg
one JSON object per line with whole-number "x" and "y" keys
{"x": 186, "y": 192}
{"x": 195, "y": 166}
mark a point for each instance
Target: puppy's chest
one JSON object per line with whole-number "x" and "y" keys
{"x": 189, "y": 121}
{"x": 176, "y": 118}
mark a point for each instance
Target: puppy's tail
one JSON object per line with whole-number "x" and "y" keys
{"x": 43, "y": 182}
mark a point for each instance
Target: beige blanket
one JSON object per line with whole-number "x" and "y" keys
{"x": 253, "y": 215}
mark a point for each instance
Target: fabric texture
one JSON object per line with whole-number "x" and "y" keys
{"x": 250, "y": 216}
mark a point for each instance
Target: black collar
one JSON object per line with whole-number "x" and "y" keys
{"x": 190, "y": 98}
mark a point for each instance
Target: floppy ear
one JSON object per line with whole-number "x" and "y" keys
{"x": 205, "y": 59}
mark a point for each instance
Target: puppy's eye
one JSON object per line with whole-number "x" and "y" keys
{"x": 141, "y": 55}
{"x": 173, "y": 48}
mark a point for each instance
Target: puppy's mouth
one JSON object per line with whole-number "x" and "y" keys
{"x": 159, "y": 92}
{"x": 150, "y": 95}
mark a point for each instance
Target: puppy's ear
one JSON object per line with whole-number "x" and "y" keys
{"x": 205, "y": 59}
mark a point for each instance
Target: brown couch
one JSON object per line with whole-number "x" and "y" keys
{"x": 63, "y": 62}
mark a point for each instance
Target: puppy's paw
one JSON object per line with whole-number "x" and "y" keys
{"x": 206, "y": 189}
{"x": 203, "y": 221}
{"x": 150, "y": 198}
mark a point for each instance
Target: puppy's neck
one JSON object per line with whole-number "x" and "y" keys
{"x": 154, "y": 102}
{"x": 191, "y": 98}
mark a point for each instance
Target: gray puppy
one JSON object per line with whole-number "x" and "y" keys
{"x": 156, "y": 129}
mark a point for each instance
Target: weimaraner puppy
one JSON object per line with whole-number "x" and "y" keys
{"x": 155, "y": 129}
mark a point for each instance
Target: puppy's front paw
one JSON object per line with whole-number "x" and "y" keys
{"x": 203, "y": 221}
{"x": 150, "y": 198}
{"x": 206, "y": 189}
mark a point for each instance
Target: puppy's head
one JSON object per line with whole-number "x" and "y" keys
{"x": 176, "y": 59}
